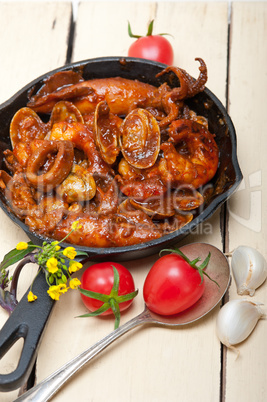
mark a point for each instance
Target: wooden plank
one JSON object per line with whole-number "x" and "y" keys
{"x": 101, "y": 31}
{"x": 152, "y": 363}
{"x": 33, "y": 40}
{"x": 246, "y": 377}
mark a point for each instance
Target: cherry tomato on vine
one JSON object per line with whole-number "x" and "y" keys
{"x": 107, "y": 288}
{"x": 174, "y": 283}
{"x": 152, "y": 47}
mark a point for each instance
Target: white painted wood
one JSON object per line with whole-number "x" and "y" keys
{"x": 152, "y": 363}
{"x": 246, "y": 377}
{"x": 33, "y": 40}
{"x": 102, "y": 30}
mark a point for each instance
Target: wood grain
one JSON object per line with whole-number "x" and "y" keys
{"x": 33, "y": 40}
{"x": 246, "y": 377}
{"x": 152, "y": 364}
{"x": 149, "y": 364}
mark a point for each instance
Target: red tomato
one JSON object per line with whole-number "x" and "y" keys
{"x": 172, "y": 285}
{"x": 99, "y": 278}
{"x": 152, "y": 47}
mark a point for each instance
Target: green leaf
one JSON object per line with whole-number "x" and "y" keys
{"x": 78, "y": 252}
{"x": 129, "y": 296}
{"x": 95, "y": 295}
{"x": 110, "y": 301}
{"x": 116, "y": 282}
{"x": 116, "y": 311}
{"x": 192, "y": 263}
{"x": 7, "y": 300}
{"x": 150, "y": 28}
{"x": 195, "y": 261}
{"x": 201, "y": 274}
{"x": 130, "y": 32}
{"x": 64, "y": 279}
{"x": 51, "y": 279}
{"x": 205, "y": 262}
{"x": 101, "y": 310}
{"x": 205, "y": 273}
{"x": 16, "y": 255}
{"x": 179, "y": 252}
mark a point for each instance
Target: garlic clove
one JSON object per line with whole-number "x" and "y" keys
{"x": 249, "y": 269}
{"x": 236, "y": 320}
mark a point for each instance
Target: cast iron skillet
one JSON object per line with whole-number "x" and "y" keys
{"x": 29, "y": 319}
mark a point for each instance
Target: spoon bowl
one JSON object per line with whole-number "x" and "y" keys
{"x": 218, "y": 269}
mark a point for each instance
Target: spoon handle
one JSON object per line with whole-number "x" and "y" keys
{"x": 49, "y": 386}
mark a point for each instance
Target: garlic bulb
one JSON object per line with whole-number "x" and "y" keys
{"x": 236, "y": 320}
{"x": 249, "y": 269}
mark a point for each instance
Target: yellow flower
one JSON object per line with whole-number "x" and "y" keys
{"x": 55, "y": 244}
{"x": 56, "y": 290}
{"x": 22, "y": 245}
{"x": 74, "y": 283}
{"x": 31, "y": 297}
{"x": 74, "y": 266}
{"x": 76, "y": 225}
{"x": 70, "y": 252}
{"x": 52, "y": 265}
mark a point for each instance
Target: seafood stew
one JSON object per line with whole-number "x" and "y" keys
{"x": 136, "y": 167}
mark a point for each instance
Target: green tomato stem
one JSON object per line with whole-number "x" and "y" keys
{"x": 131, "y": 34}
{"x": 110, "y": 301}
{"x": 150, "y": 28}
{"x": 97, "y": 312}
{"x": 116, "y": 282}
{"x": 116, "y": 310}
{"x": 129, "y": 296}
{"x": 94, "y": 295}
{"x": 192, "y": 263}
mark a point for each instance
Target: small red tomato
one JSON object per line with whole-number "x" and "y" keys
{"x": 151, "y": 47}
{"x": 172, "y": 285}
{"x": 107, "y": 288}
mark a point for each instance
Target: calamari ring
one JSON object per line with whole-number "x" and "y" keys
{"x": 61, "y": 166}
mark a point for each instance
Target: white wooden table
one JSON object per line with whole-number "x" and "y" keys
{"x": 152, "y": 364}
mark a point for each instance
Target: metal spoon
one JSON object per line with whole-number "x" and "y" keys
{"x": 218, "y": 269}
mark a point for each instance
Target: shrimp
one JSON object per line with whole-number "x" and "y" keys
{"x": 138, "y": 183}
{"x": 191, "y": 155}
{"x": 94, "y": 230}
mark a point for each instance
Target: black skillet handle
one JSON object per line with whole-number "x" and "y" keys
{"x": 27, "y": 321}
